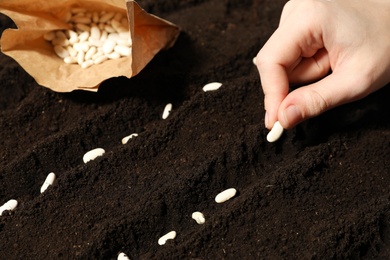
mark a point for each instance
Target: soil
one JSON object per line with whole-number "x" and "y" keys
{"x": 320, "y": 192}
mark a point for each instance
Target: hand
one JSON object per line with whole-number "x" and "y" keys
{"x": 349, "y": 38}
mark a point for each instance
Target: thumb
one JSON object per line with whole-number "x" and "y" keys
{"x": 311, "y": 100}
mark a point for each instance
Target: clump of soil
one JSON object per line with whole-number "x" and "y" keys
{"x": 320, "y": 192}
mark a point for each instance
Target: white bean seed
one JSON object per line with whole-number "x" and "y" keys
{"x": 81, "y": 19}
{"x": 109, "y": 46}
{"x": 82, "y": 27}
{"x": 123, "y": 256}
{"x": 109, "y": 29}
{"x": 9, "y": 205}
{"x": 167, "y": 111}
{"x": 80, "y": 57}
{"x": 122, "y": 50}
{"x": 198, "y": 217}
{"x": 70, "y": 60}
{"x": 60, "y": 41}
{"x": 89, "y": 54}
{"x": 212, "y": 86}
{"x": 225, "y": 195}
{"x": 113, "y": 55}
{"x": 72, "y": 52}
{"x": 100, "y": 59}
{"x": 49, "y": 181}
{"x": 95, "y": 32}
{"x": 86, "y": 64}
{"x": 84, "y": 36}
{"x": 163, "y": 239}
{"x": 49, "y": 36}
{"x": 91, "y": 155}
{"x": 127, "y": 138}
{"x": 61, "y": 51}
{"x": 275, "y": 133}
{"x": 105, "y": 17}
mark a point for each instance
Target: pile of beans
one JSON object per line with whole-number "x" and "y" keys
{"x": 94, "y": 37}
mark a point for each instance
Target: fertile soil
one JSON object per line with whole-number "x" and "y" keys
{"x": 321, "y": 192}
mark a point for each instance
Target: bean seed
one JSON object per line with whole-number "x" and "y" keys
{"x": 70, "y": 60}
{"x": 123, "y": 50}
{"x": 91, "y": 155}
{"x": 127, "y": 138}
{"x": 61, "y": 51}
{"x": 84, "y": 36}
{"x": 9, "y": 205}
{"x": 167, "y": 111}
{"x": 275, "y": 133}
{"x": 198, "y": 217}
{"x": 225, "y": 195}
{"x": 212, "y": 86}
{"x": 113, "y": 55}
{"x": 86, "y": 64}
{"x": 49, "y": 36}
{"x": 80, "y": 57}
{"x": 90, "y": 53}
{"x": 109, "y": 46}
{"x": 163, "y": 239}
{"x": 49, "y": 181}
{"x": 100, "y": 59}
{"x": 105, "y": 17}
{"x": 95, "y": 32}
{"x": 123, "y": 256}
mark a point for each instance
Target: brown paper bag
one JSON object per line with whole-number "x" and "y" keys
{"x": 33, "y": 19}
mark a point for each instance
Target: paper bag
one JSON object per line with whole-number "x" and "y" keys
{"x": 33, "y": 19}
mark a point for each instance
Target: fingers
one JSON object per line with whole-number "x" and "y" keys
{"x": 336, "y": 89}
{"x": 310, "y": 69}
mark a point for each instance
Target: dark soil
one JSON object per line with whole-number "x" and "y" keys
{"x": 321, "y": 192}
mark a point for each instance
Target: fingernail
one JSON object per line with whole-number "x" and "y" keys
{"x": 266, "y": 119}
{"x": 292, "y": 115}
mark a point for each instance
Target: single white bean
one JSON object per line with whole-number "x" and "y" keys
{"x": 48, "y": 181}
{"x": 225, "y": 195}
{"x": 9, "y": 205}
{"x": 122, "y": 50}
{"x": 72, "y": 52}
{"x": 60, "y": 41}
{"x": 86, "y": 64}
{"x": 127, "y": 138}
{"x": 198, "y": 217}
{"x": 275, "y": 133}
{"x": 109, "y": 46}
{"x": 167, "y": 111}
{"x": 91, "y": 155}
{"x": 123, "y": 256}
{"x": 82, "y": 27}
{"x": 67, "y": 16}
{"x": 113, "y": 55}
{"x": 109, "y": 29}
{"x": 107, "y": 16}
{"x": 90, "y": 53}
{"x": 49, "y": 36}
{"x": 163, "y": 239}
{"x": 254, "y": 61}
{"x": 81, "y": 19}
{"x": 84, "y": 36}
{"x": 100, "y": 59}
{"x": 212, "y": 86}
{"x": 95, "y": 32}
{"x": 70, "y": 60}
{"x": 80, "y": 57}
{"x": 76, "y": 10}
{"x": 61, "y": 51}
